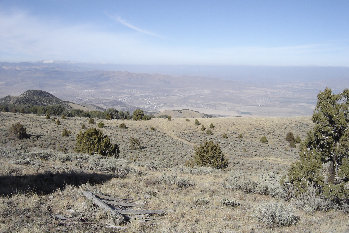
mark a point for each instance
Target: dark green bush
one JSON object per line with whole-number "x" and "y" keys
{"x": 47, "y": 116}
{"x": 240, "y": 136}
{"x": 203, "y": 128}
{"x": 290, "y": 137}
{"x": 298, "y": 139}
{"x": 91, "y": 121}
{"x": 212, "y": 126}
{"x": 122, "y": 126}
{"x": 210, "y": 154}
{"x": 100, "y": 125}
{"x": 264, "y": 139}
{"x": 225, "y": 136}
{"x": 209, "y": 132}
{"x": 93, "y": 141}
{"x": 66, "y": 133}
{"x": 58, "y": 122}
{"x": 139, "y": 114}
{"x": 19, "y": 131}
{"x": 83, "y": 126}
{"x": 187, "y": 120}
{"x": 197, "y": 122}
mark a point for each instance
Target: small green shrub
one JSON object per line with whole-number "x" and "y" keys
{"x": 91, "y": 121}
{"x": 47, "y": 116}
{"x": 197, "y": 122}
{"x": 100, "y": 124}
{"x": 225, "y": 136}
{"x": 152, "y": 128}
{"x": 19, "y": 131}
{"x": 122, "y": 126}
{"x": 93, "y": 141}
{"x": 230, "y": 203}
{"x": 58, "y": 122}
{"x": 203, "y": 128}
{"x": 83, "y": 126}
{"x": 135, "y": 144}
{"x": 264, "y": 139}
{"x": 139, "y": 114}
{"x": 240, "y": 136}
{"x": 276, "y": 215}
{"x": 187, "y": 119}
{"x": 66, "y": 133}
{"x": 298, "y": 139}
{"x": 210, "y": 154}
{"x": 169, "y": 118}
{"x": 293, "y": 144}
{"x": 209, "y": 132}
{"x": 212, "y": 126}
{"x": 63, "y": 117}
{"x": 291, "y": 139}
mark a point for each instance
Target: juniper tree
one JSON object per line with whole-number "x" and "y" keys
{"x": 93, "y": 141}
{"x": 210, "y": 154}
{"x": 330, "y": 136}
{"x": 326, "y": 144}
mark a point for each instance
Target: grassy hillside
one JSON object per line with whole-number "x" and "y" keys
{"x": 42, "y": 178}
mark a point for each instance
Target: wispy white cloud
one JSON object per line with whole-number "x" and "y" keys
{"x": 24, "y": 37}
{"x": 133, "y": 27}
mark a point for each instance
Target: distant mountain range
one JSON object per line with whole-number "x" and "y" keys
{"x": 234, "y": 91}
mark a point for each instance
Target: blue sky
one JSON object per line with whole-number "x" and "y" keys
{"x": 191, "y": 32}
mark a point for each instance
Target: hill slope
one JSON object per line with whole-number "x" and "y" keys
{"x": 34, "y": 97}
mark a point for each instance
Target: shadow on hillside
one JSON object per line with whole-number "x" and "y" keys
{"x": 47, "y": 183}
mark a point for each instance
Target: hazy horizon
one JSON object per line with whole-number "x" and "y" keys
{"x": 252, "y": 33}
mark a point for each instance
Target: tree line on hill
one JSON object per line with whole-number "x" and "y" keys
{"x": 60, "y": 110}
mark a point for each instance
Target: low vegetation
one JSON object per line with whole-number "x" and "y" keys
{"x": 92, "y": 141}
{"x": 209, "y": 132}
{"x": 60, "y": 110}
{"x": 135, "y": 144}
{"x": 100, "y": 124}
{"x": 139, "y": 114}
{"x": 264, "y": 140}
{"x": 209, "y": 154}
{"x": 238, "y": 183}
{"x": 66, "y": 133}
{"x": 276, "y": 215}
{"x": 19, "y": 131}
{"x": 291, "y": 139}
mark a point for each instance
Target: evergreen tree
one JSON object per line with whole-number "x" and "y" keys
{"x": 327, "y": 144}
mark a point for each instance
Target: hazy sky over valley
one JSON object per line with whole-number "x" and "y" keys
{"x": 246, "y": 32}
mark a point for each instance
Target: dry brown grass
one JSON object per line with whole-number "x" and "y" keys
{"x": 154, "y": 176}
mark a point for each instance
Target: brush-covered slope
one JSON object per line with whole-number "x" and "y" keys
{"x": 34, "y": 97}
